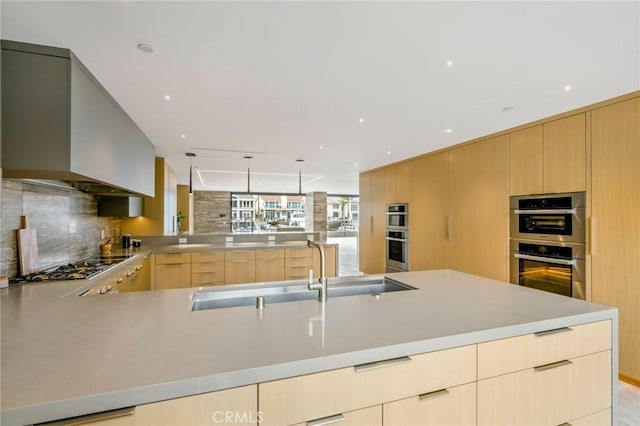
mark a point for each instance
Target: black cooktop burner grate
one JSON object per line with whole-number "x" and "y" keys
{"x": 80, "y": 270}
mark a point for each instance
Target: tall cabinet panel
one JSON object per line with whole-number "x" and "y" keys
{"x": 478, "y": 206}
{"x": 525, "y": 161}
{"x": 564, "y": 154}
{"x": 615, "y": 207}
{"x": 372, "y": 222}
{"x": 428, "y": 212}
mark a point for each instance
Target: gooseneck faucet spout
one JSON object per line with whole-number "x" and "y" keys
{"x": 321, "y": 285}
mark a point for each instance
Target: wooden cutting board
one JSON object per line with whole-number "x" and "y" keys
{"x": 28, "y": 251}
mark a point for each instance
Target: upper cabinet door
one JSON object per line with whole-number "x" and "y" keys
{"x": 564, "y": 154}
{"x": 525, "y": 161}
{"x": 478, "y": 208}
{"x": 428, "y": 212}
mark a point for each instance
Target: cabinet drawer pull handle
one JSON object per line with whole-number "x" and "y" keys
{"x": 552, "y": 365}
{"x": 240, "y": 261}
{"x": 89, "y": 418}
{"x": 554, "y": 331}
{"x": 428, "y": 395}
{"x": 327, "y": 420}
{"x": 379, "y": 364}
{"x": 565, "y": 424}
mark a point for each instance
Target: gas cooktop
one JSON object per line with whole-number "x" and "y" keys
{"x": 80, "y": 270}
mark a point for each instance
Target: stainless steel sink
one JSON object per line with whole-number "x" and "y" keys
{"x": 246, "y": 295}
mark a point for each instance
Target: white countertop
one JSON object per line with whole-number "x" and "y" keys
{"x": 63, "y": 357}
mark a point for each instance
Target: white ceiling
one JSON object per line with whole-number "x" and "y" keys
{"x": 278, "y": 80}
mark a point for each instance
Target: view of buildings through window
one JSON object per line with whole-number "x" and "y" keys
{"x": 271, "y": 212}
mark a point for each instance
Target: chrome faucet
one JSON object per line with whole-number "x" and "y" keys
{"x": 321, "y": 285}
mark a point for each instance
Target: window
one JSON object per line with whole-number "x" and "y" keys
{"x": 253, "y": 213}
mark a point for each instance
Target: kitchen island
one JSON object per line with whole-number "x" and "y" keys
{"x": 71, "y": 356}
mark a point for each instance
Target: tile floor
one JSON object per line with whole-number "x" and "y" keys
{"x": 628, "y": 404}
{"x": 628, "y": 395}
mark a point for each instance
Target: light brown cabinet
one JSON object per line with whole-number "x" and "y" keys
{"x": 444, "y": 407}
{"x": 548, "y": 158}
{"x": 371, "y": 243}
{"x": 138, "y": 277}
{"x": 204, "y": 409}
{"x": 397, "y": 184}
{"x": 172, "y": 270}
{"x": 297, "y": 263}
{"x": 478, "y": 209}
{"x": 296, "y": 399}
{"x": 270, "y": 265}
{"x": 207, "y": 268}
{"x": 615, "y": 227}
{"x": 239, "y": 266}
{"x": 545, "y": 378}
{"x": 371, "y": 416}
{"x": 429, "y": 212}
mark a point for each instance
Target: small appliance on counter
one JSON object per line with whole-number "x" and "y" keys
{"x": 126, "y": 241}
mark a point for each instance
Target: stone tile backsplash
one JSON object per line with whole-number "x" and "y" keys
{"x": 66, "y": 222}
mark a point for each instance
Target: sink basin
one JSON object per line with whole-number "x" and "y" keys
{"x": 287, "y": 292}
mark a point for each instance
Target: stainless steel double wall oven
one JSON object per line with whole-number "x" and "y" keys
{"x": 397, "y": 238}
{"x": 548, "y": 243}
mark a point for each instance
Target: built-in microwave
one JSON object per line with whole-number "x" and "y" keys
{"x": 551, "y": 217}
{"x": 397, "y": 216}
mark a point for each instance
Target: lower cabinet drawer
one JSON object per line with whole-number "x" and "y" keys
{"x": 601, "y": 418}
{"x": 237, "y": 406}
{"x": 172, "y": 258}
{"x": 207, "y": 266}
{"x": 445, "y": 407}
{"x": 521, "y": 352}
{"x": 550, "y": 394}
{"x": 207, "y": 278}
{"x": 296, "y": 272}
{"x": 313, "y": 396}
{"x": 371, "y": 416}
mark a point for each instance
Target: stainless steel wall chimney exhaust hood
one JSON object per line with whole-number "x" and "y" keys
{"x": 59, "y": 123}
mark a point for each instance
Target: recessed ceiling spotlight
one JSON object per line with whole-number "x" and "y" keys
{"x": 508, "y": 108}
{"x": 183, "y": 136}
{"x": 567, "y": 88}
{"x": 388, "y": 152}
{"x": 449, "y": 63}
{"x": 448, "y": 130}
{"x": 167, "y": 97}
{"x": 355, "y": 164}
{"x": 146, "y": 48}
{"x": 361, "y": 120}
{"x": 321, "y": 147}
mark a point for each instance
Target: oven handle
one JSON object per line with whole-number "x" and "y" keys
{"x": 546, "y": 211}
{"x": 545, "y": 259}
{"x": 395, "y": 239}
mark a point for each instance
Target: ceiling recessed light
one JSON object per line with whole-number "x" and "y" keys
{"x": 388, "y": 152}
{"x": 146, "y": 48}
{"x": 567, "y": 88}
{"x": 449, "y": 63}
{"x": 508, "y": 108}
{"x": 321, "y": 147}
{"x": 183, "y": 136}
{"x": 167, "y": 97}
{"x": 448, "y": 130}
{"x": 355, "y": 164}
{"x": 361, "y": 120}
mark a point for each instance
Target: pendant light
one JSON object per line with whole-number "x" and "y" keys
{"x": 190, "y": 155}
{"x": 248, "y": 158}
{"x": 299, "y": 176}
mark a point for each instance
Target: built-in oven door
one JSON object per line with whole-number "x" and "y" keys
{"x": 397, "y": 216}
{"x": 397, "y": 251}
{"x": 553, "y": 268}
{"x": 553, "y": 218}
